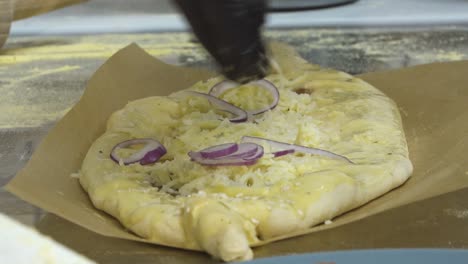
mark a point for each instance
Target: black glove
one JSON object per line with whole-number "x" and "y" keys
{"x": 230, "y": 30}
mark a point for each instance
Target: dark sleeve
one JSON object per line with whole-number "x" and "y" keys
{"x": 230, "y": 30}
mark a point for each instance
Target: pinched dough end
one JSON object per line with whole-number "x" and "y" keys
{"x": 219, "y": 231}
{"x": 234, "y": 245}
{"x": 403, "y": 170}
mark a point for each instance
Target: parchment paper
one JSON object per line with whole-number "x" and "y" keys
{"x": 433, "y": 100}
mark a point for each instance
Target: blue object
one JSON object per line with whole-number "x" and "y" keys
{"x": 385, "y": 256}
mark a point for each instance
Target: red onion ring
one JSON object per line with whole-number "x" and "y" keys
{"x": 282, "y": 152}
{"x": 285, "y": 148}
{"x": 224, "y": 86}
{"x": 219, "y": 150}
{"x": 244, "y": 150}
{"x": 239, "y": 113}
{"x": 246, "y": 154}
{"x": 256, "y": 155}
{"x": 221, "y": 162}
{"x": 150, "y": 153}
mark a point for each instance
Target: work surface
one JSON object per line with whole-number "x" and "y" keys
{"x": 42, "y": 77}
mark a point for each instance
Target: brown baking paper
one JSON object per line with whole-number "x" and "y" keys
{"x": 433, "y": 100}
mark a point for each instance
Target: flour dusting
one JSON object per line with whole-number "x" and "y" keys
{"x": 462, "y": 214}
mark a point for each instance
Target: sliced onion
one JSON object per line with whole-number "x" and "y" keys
{"x": 297, "y": 148}
{"x": 150, "y": 153}
{"x": 245, "y": 150}
{"x": 221, "y": 87}
{"x": 239, "y": 114}
{"x": 152, "y": 156}
{"x": 219, "y": 150}
{"x": 246, "y": 154}
{"x": 221, "y": 162}
{"x": 224, "y": 86}
{"x": 282, "y": 152}
{"x": 255, "y": 156}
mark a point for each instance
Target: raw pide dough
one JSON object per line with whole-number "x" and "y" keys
{"x": 224, "y": 210}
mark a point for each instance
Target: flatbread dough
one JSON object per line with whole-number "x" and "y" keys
{"x": 226, "y": 210}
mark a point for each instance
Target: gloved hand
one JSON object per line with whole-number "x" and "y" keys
{"x": 230, "y": 30}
